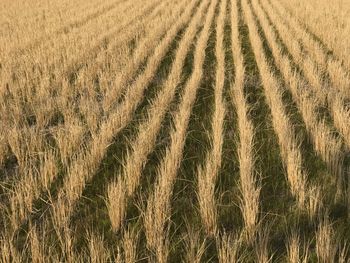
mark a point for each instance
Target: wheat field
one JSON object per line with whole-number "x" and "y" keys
{"x": 175, "y": 131}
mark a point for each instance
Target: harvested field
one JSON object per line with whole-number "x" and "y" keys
{"x": 174, "y": 131}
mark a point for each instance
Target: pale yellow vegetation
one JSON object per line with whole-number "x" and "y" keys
{"x": 130, "y": 132}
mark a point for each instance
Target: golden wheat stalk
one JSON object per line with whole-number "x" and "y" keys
{"x": 290, "y": 150}
{"x": 141, "y": 52}
{"x": 249, "y": 184}
{"x": 44, "y": 97}
{"x": 326, "y": 247}
{"x": 207, "y": 173}
{"x": 29, "y": 188}
{"x": 86, "y": 162}
{"x": 157, "y": 213}
{"x": 326, "y": 144}
{"x": 312, "y": 192}
{"x": 229, "y": 246}
{"x": 296, "y": 253}
{"x": 337, "y": 92}
{"x": 313, "y": 46}
{"x": 145, "y": 140}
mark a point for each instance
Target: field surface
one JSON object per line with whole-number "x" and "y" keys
{"x": 175, "y": 131}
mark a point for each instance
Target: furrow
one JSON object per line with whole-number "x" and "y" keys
{"x": 326, "y": 144}
{"x": 86, "y": 162}
{"x": 148, "y": 130}
{"x": 207, "y": 174}
{"x": 249, "y": 183}
{"x": 157, "y": 213}
{"x": 289, "y": 146}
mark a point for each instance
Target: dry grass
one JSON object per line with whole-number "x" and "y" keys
{"x": 290, "y": 150}
{"x": 195, "y": 246}
{"x": 295, "y": 252}
{"x": 149, "y": 129}
{"x": 249, "y": 184}
{"x": 157, "y": 213}
{"x": 128, "y": 131}
{"x": 229, "y": 248}
{"x": 207, "y": 175}
{"x": 326, "y": 144}
{"x": 325, "y": 246}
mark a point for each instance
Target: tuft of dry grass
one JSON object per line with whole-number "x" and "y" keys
{"x": 326, "y": 247}
{"x": 116, "y": 200}
{"x": 207, "y": 175}
{"x": 97, "y": 251}
{"x": 249, "y": 185}
{"x": 130, "y": 242}
{"x": 229, "y": 248}
{"x": 296, "y": 253}
{"x": 195, "y": 246}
